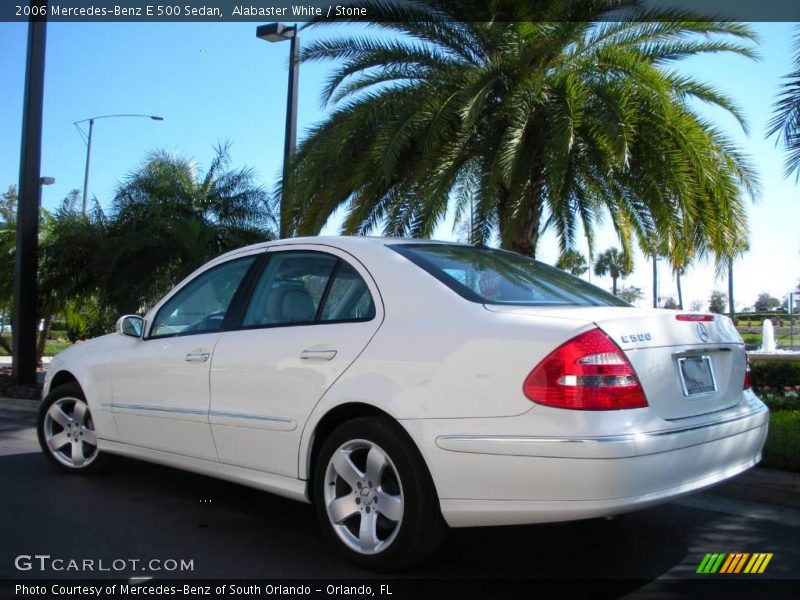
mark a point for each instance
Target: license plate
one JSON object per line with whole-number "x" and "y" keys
{"x": 697, "y": 376}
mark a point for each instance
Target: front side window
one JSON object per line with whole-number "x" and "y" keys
{"x": 200, "y": 306}
{"x": 492, "y": 276}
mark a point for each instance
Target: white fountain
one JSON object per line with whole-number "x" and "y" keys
{"x": 767, "y": 337}
{"x": 768, "y": 351}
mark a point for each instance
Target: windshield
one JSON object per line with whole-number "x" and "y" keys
{"x": 492, "y": 276}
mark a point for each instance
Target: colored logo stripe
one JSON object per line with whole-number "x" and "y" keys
{"x": 758, "y": 563}
{"x": 711, "y": 563}
{"x": 734, "y": 562}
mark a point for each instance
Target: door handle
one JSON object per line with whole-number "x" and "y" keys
{"x": 318, "y": 354}
{"x": 197, "y": 356}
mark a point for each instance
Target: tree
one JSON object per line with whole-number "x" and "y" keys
{"x": 167, "y": 220}
{"x": 716, "y": 304}
{"x": 631, "y": 294}
{"x": 766, "y": 302}
{"x": 8, "y": 246}
{"x": 573, "y": 262}
{"x": 785, "y": 123}
{"x": 615, "y": 263}
{"x": 547, "y": 115}
{"x": 696, "y": 305}
{"x": 670, "y": 303}
{"x": 61, "y": 235}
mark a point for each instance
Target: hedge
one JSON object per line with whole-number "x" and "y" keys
{"x": 774, "y": 374}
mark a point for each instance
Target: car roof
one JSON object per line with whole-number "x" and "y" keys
{"x": 344, "y": 242}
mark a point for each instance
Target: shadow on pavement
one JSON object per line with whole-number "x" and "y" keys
{"x": 138, "y": 510}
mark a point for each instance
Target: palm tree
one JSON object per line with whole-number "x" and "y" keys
{"x": 548, "y": 115}
{"x": 167, "y": 219}
{"x": 615, "y": 263}
{"x": 573, "y": 262}
{"x": 786, "y": 120}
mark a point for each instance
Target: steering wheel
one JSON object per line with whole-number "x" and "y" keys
{"x": 211, "y": 322}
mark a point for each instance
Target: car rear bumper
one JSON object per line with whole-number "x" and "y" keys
{"x": 513, "y": 479}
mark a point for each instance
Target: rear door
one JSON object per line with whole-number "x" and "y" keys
{"x": 311, "y": 312}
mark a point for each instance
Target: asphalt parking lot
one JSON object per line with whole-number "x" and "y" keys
{"x": 143, "y": 511}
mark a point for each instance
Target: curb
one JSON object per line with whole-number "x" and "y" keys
{"x": 22, "y": 404}
{"x": 768, "y": 486}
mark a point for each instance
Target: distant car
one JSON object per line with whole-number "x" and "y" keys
{"x": 403, "y": 386}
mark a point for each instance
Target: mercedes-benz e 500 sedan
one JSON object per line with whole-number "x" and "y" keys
{"x": 405, "y": 386}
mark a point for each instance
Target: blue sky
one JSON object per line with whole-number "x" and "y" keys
{"x": 216, "y": 81}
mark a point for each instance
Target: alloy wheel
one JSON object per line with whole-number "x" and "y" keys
{"x": 363, "y": 496}
{"x": 69, "y": 433}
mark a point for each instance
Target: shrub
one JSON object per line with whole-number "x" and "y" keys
{"x": 782, "y": 450}
{"x": 774, "y": 375}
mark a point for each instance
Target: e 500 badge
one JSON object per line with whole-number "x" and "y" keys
{"x": 636, "y": 337}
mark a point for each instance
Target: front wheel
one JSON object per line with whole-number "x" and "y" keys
{"x": 374, "y": 496}
{"x": 66, "y": 431}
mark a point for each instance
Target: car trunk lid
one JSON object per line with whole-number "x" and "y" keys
{"x": 688, "y": 364}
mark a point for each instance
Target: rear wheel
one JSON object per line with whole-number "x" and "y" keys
{"x": 374, "y": 496}
{"x": 66, "y": 431}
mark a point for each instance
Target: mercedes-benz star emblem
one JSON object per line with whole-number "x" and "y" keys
{"x": 702, "y": 332}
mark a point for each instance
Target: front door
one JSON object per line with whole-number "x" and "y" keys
{"x": 160, "y": 383}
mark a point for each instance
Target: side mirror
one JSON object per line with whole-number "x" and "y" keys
{"x": 130, "y": 325}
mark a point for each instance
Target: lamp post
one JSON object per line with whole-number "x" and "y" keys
{"x": 731, "y": 305}
{"x": 278, "y": 32}
{"x": 656, "y": 258}
{"x": 89, "y": 147}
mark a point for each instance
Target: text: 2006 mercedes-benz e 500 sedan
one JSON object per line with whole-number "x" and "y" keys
{"x": 404, "y": 386}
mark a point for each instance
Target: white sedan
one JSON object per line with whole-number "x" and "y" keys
{"x": 403, "y": 386}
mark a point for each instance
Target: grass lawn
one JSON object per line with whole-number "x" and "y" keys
{"x": 50, "y": 349}
{"x": 783, "y": 340}
{"x": 782, "y": 450}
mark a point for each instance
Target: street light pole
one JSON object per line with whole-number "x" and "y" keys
{"x": 89, "y": 147}
{"x": 731, "y": 305}
{"x": 655, "y": 280}
{"x": 277, "y": 32}
{"x": 86, "y": 173}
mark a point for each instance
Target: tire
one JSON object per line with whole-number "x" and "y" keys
{"x": 66, "y": 432}
{"x": 374, "y": 496}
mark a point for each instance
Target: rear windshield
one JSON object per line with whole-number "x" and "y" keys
{"x": 492, "y": 276}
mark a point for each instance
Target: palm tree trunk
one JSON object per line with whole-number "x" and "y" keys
{"x": 613, "y": 285}
{"x": 680, "y": 292}
{"x": 524, "y": 235}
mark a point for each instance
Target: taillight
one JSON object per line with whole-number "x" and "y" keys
{"x": 747, "y": 385}
{"x": 588, "y": 372}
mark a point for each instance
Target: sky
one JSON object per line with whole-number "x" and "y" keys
{"x": 216, "y": 82}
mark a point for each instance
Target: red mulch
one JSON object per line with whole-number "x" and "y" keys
{"x": 10, "y": 390}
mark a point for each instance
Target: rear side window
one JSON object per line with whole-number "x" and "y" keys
{"x": 304, "y": 287}
{"x": 348, "y": 297}
{"x": 492, "y": 276}
{"x": 290, "y": 289}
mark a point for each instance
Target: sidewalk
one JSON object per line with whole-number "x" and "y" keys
{"x": 5, "y": 361}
